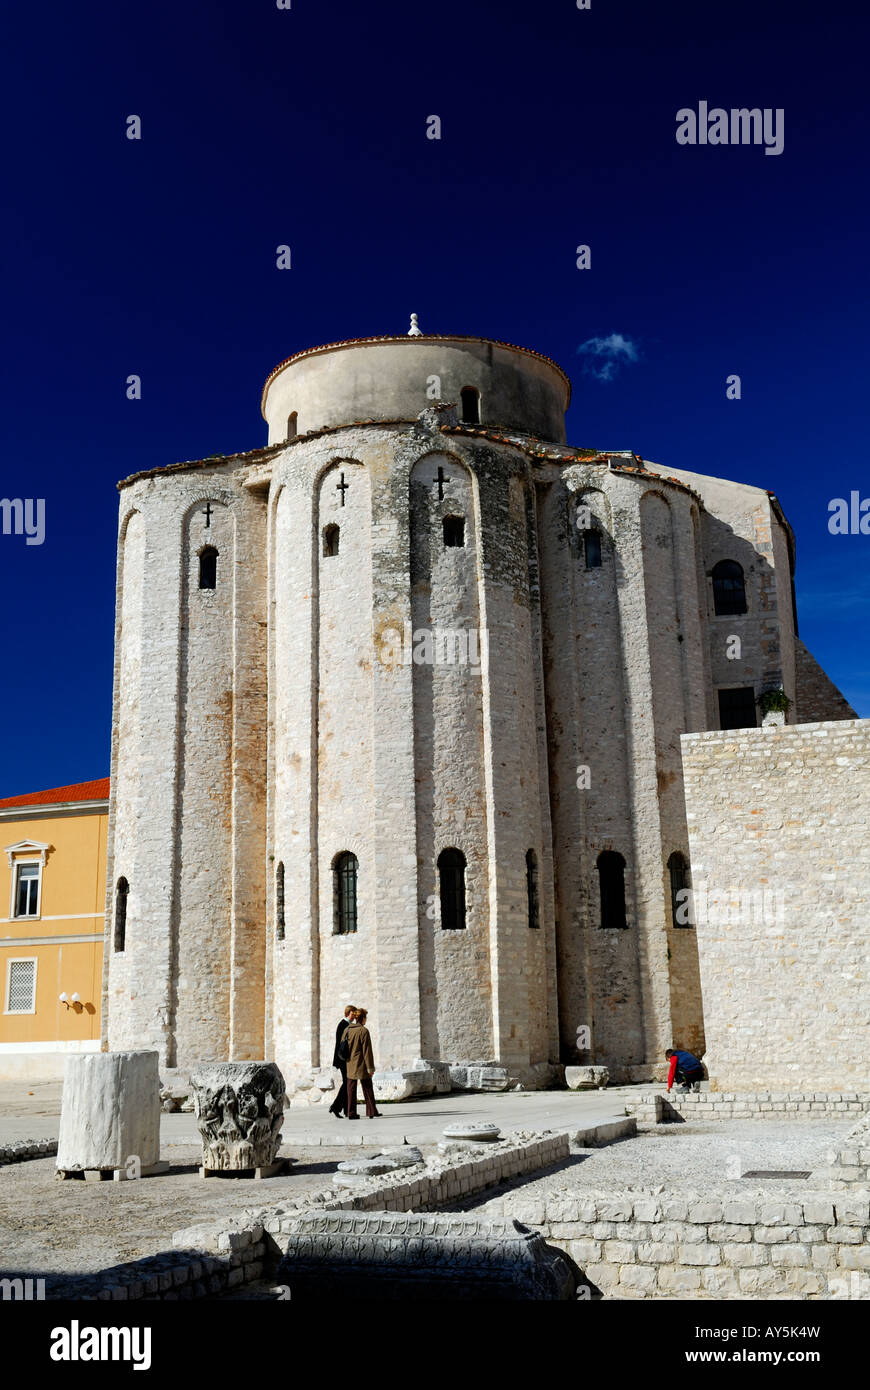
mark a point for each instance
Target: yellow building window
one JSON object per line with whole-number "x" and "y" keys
{"x": 27, "y": 890}
{"x": 21, "y": 986}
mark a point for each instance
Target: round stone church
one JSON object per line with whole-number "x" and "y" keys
{"x": 397, "y": 715}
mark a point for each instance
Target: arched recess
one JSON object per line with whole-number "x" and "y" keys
{"x": 599, "y": 971}
{"x": 446, "y": 657}
{"x": 670, "y": 702}
{"x": 344, "y": 768}
{"x": 127, "y": 760}
{"x": 204, "y": 858}
{"x": 589, "y": 519}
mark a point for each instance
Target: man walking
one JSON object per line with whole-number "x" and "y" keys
{"x": 339, "y": 1105}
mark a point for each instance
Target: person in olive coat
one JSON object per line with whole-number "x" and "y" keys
{"x": 360, "y": 1066}
{"x": 339, "y": 1105}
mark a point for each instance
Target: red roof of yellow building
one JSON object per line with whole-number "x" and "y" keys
{"x": 97, "y": 790}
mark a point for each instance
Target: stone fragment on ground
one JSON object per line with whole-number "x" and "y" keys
{"x": 476, "y": 1130}
{"x": 387, "y": 1161}
{"x": 586, "y": 1078}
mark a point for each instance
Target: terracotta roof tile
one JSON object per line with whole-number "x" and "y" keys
{"x": 97, "y": 790}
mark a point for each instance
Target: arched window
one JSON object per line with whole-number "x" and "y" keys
{"x": 681, "y": 902}
{"x": 532, "y": 888}
{"x": 279, "y": 902}
{"x": 729, "y": 587}
{"x": 330, "y": 539}
{"x": 344, "y": 877}
{"x": 292, "y": 425}
{"x": 592, "y": 549}
{"x": 454, "y": 530}
{"x": 451, "y": 882}
{"x": 611, "y": 882}
{"x": 470, "y": 398}
{"x": 208, "y": 568}
{"x": 121, "y": 891}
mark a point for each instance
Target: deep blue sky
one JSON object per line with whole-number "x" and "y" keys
{"x": 308, "y": 127}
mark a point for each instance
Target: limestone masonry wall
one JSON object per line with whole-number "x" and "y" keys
{"x": 818, "y": 699}
{"x": 778, "y": 833}
{"x": 689, "y": 1245}
{"x": 657, "y": 1107}
{"x": 288, "y": 715}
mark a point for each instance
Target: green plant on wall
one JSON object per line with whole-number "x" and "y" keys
{"x": 770, "y": 701}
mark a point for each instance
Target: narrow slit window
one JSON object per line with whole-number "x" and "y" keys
{"x": 454, "y": 530}
{"x": 681, "y": 902}
{"x": 279, "y": 902}
{"x": 611, "y": 882}
{"x": 451, "y": 883}
{"x": 331, "y": 536}
{"x": 344, "y": 893}
{"x": 532, "y": 892}
{"x": 122, "y": 890}
{"x": 470, "y": 398}
{"x": 292, "y": 425}
{"x": 208, "y": 568}
{"x": 592, "y": 549}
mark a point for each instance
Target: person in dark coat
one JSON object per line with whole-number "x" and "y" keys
{"x": 360, "y": 1067}
{"x": 339, "y": 1105}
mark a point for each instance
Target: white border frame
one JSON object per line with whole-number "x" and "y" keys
{"x": 17, "y": 864}
{"x": 17, "y": 1013}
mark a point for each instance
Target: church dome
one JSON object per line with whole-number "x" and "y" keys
{"x": 493, "y": 384}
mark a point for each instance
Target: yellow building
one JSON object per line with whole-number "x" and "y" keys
{"x": 51, "y": 940}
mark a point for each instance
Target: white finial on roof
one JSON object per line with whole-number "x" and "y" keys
{"x": 414, "y": 331}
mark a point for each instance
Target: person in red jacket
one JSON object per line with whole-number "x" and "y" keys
{"x": 684, "y": 1067}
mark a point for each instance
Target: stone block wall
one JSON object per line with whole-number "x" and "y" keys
{"x": 173, "y": 1276}
{"x": 689, "y": 1245}
{"x": 777, "y": 823}
{"x": 657, "y": 1107}
{"x": 19, "y": 1150}
{"x": 210, "y": 1259}
{"x": 816, "y": 697}
{"x": 849, "y": 1166}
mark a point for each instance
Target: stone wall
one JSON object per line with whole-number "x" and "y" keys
{"x": 688, "y": 1245}
{"x": 656, "y": 1107}
{"x": 172, "y": 1276}
{"x": 259, "y": 731}
{"x": 778, "y": 831}
{"x": 849, "y": 1166}
{"x": 816, "y": 698}
{"x": 19, "y": 1150}
{"x": 209, "y": 1259}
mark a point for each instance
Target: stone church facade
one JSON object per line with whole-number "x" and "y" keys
{"x": 397, "y": 718}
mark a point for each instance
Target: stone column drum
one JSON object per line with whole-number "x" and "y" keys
{"x": 239, "y": 1109}
{"x": 110, "y": 1112}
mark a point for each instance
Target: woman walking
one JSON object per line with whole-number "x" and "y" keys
{"x": 360, "y": 1066}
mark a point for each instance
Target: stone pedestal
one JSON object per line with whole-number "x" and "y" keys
{"x": 110, "y": 1114}
{"x": 239, "y": 1109}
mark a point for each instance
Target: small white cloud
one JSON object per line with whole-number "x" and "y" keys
{"x": 605, "y": 356}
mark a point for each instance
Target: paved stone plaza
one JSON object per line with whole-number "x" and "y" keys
{"x": 76, "y": 1228}
{"x": 36, "y": 1116}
